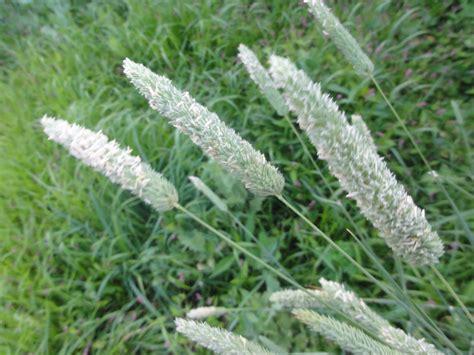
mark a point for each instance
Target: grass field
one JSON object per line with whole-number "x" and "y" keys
{"x": 87, "y": 268}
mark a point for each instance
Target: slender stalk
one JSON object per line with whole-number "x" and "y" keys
{"x": 453, "y": 293}
{"x": 402, "y": 294}
{"x": 465, "y": 139}
{"x": 423, "y": 158}
{"x": 369, "y": 275}
{"x": 327, "y": 238}
{"x": 442, "y": 187}
{"x": 254, "y": 238}
{"x": 303, "y": 144}
{"x": 271, "y": 268}
{"x": 237, "y": 246}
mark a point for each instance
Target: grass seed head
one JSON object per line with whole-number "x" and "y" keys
{"x": 341, "y": 37}
{"x": 218, "y": 340}
{"x": 263, "y": 80}
{"x": 205, "y": 312}
{"x": 353, "y": 159}
{"x": 206, "y": 130}
{"x": 119, "y": 165}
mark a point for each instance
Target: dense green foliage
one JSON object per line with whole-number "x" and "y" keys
{"x": 84, "y": 265}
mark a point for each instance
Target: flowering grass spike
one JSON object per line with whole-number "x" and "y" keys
{"x": 119, "y": 165}
{"x": 263, "y": 80}
{"x": 218, "y": 340}
{"x": 206, "y": 130}
{"x": 353, "y": 159}
{"x": 339, "y": 298}
{"x": 347, "y": 337}
{"x": 341, "y": 37}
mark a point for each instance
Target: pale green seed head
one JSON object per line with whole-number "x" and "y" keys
{"x": 261, "y": 77}
{"x": 353, "y": 159}
{"x": 206, "y": 130}
{"x": 119, "y": 165}
{"x": 341, "y": 37}
{"x": 218, "y": 340}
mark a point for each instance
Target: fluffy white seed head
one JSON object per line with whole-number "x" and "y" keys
{"x": 205, "y": 129}
{"x": 216, "y": 339}
{"x": 347, "y": 337}
{"x": 205, "y": 312}
{"x": 263, "y": 80}
{"x": 353, "y": 159}
{"x": 119, "y": 165}
{"x": 341, "y": 37}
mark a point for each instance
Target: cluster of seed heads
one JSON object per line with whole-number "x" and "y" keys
{"x": 347, "y": 147}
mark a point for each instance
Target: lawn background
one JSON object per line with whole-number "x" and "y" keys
{"x": 85, "y": 267}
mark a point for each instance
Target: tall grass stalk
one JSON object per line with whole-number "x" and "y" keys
{"x": 354, "y": 54}
{"x": 363, "y": 66}
{"x": 264, "y": 81}
{"x": 453, "y": 293}
{"x": 361, "y": 172}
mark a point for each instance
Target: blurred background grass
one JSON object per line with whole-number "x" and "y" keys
{"x": 85, "y": 267}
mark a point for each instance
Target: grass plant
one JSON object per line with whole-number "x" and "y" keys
{"x": 88, "y": 268}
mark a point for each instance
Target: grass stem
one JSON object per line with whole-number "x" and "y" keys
{"x": 303, "y": 145}
{"x": 442, "y": 187}
{"x": 453, "y": 293}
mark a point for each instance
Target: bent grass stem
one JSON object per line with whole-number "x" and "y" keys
{"x": 453, "y": 293}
